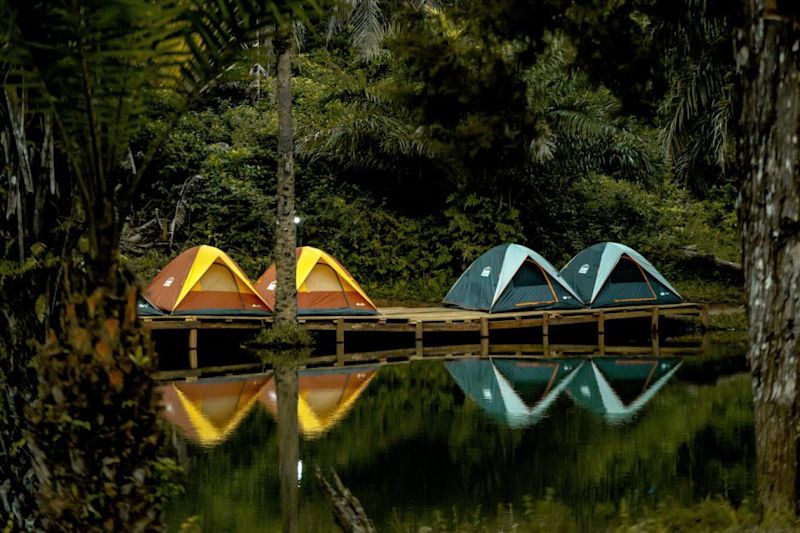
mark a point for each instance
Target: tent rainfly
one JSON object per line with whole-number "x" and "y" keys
{"x": 511, "y": 277}
{"x": 324, "y": 286}
{"x": 204, "y": 281}
{"x": 610, "y": 274}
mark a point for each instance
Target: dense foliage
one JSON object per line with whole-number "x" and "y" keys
{"x": 467, "y": 130}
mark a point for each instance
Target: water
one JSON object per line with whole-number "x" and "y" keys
{"x": 428, "y": 442}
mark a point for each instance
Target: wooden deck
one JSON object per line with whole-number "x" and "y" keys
{"x": 422, "y": 320}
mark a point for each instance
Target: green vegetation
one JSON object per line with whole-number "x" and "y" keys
{"x": 413, "y": 444}
{"x": 407, "y": 186}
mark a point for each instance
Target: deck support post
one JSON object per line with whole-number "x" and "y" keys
{"x": 601, "y": 333}
{"x": 546, "y": 334}
{"x": 704, "y": 318}
{"x": 339, "y": 342}
{"x": 193, "y": 348}
{"x": 654, "y": 331}
{"x": 418, "y": 338}
{"x": 484, "y": 337}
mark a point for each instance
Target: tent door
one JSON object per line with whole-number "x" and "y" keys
{"x": 627, "y": 278}
{"x": 533, "y": 281}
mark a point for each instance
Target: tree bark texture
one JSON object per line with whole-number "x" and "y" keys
{"x": 768, "y": 58}
{"x": 286, "y": 386}
{"x": 286, "y": 234}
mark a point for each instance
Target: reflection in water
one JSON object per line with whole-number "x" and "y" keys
{"x": 325, "y": 396}
{"x": 209, "y": 411}
{"x": 519, "y": 391}
{"x": 618, "y": 388}
{"x": 415, "y": 439}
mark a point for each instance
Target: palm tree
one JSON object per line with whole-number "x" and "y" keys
{"x": 93, "y": 68}
{"x": 697, "y": 135}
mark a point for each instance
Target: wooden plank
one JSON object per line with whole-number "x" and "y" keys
{"x": 484, "y": 328}
{"x": 517, "y": 324}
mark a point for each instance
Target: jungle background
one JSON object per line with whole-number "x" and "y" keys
{"x": 428, "y": 132}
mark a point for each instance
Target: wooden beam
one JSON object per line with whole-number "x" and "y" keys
{"x": 484, "y": 328}
{"x": 546, "y": 334}
{"x": 654, "y": 334}
{"x": 705, "y": 320}
{"x": 193, "y": 349}
{"x": 339, "y": 342}
{"x": 601, "y": 333}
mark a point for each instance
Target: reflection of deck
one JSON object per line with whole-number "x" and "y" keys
{"x": 445, "y": 320}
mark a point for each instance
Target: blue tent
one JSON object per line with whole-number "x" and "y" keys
{"x": 511, "y": 277}
{"x": 611, "y": 274}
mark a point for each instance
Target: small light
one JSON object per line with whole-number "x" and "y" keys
{"x": 296, "y": 220}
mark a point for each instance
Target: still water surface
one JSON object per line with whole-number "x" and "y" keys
{"x": 427, "y": 438}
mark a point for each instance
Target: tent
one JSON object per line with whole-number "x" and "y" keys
{"x": 208, "y": 412}
{"x": 617, "y": 388}
{"x": 204, "y": 281}
{"x": 325, "y": 396}
{"x": 611, "y": 274}
{"x": 511, "y": 277}
{"x": 517, "y": 392}
{"x": 324, "y": 286}
{"x": 145, "y": 308}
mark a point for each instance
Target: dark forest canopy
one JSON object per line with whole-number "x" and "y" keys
{"x": 466, "y": 125}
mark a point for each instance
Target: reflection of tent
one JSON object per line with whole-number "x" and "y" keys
{"x": 326, "y": 395}
{"x": 511, "y": 277}
{"x": 609, "y": 274}
{"x": 208, "y": 412}
{"x": 517, "y": 391}
{"x": 324, "y": 286}
{"x": 204, "y": 280}
{"x": 618, "y": 388}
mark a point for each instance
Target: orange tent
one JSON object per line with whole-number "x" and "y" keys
{"x": 204, "y": 280}
{"x": 324, "y": 286}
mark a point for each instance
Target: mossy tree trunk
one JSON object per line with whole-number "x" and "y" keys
{"x": 286, "y": 234}
{"x": 768, "y": 55}
{"x": 286, "y": 288}
{"x": 286, "y": 384}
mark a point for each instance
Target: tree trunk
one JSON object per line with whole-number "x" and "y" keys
{"x": 285, "y": 236}
{"x": 768, "y": 57}
{"x": 288, "y": 443}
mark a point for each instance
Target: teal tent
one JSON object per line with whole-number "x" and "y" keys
{"x": 618, "y": 388}
{"x": 517, "y": 392}
{"x": 611, "y": 274}
{"x": 145, "y": 308}
{"x": 511, "y": 277}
